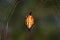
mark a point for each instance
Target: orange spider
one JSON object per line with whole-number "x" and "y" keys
{"x": 29, "y": 21}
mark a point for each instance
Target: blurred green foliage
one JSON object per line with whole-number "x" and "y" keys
{"x": 45, "y": 27}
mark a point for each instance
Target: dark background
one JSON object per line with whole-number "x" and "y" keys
{"x": 45, "y": 12}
